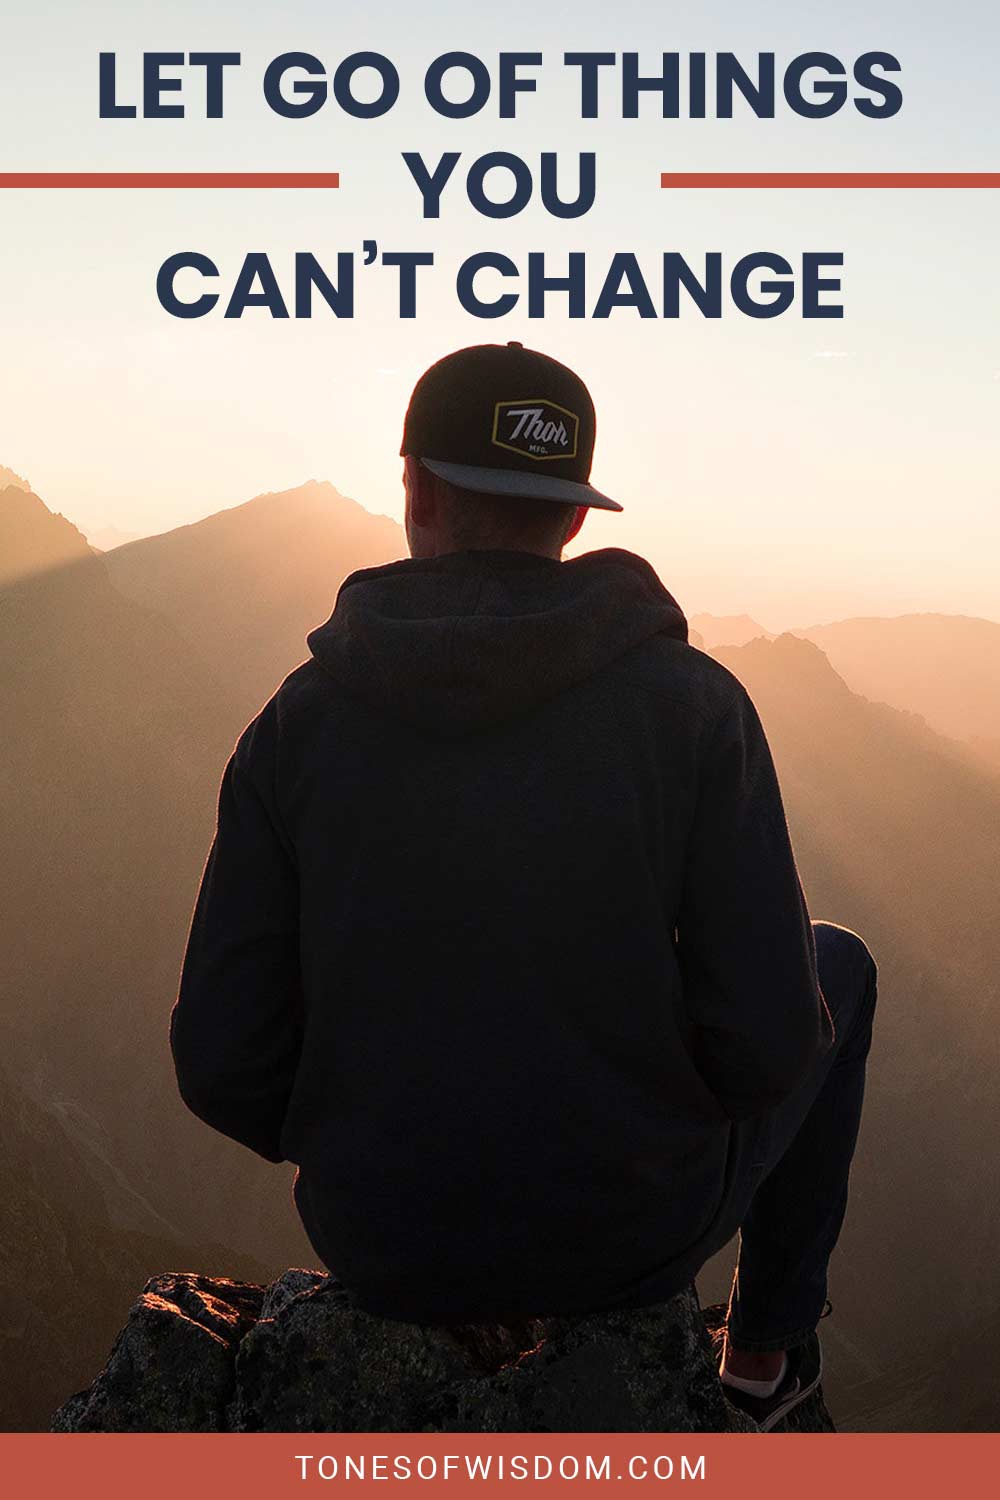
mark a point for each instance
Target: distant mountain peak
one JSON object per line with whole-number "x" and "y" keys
{"x": 801, "y": 667}
{"x": 107, "y": 537}
{"x": 728, "y": 630}
{"x": 318, "y": 493}
{"x": 312, "y": 498}
{"x": 944, "y": 667}
{"x": 10, "y": 480}
{"x": 309, "y": 490}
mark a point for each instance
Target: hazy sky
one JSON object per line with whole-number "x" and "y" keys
{"x": 798, "y": 470}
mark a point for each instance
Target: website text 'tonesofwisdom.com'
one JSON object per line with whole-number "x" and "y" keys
{"x": 498, "y": 1466}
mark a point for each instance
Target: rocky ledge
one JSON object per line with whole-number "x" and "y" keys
{"x": 203, "y": 1354}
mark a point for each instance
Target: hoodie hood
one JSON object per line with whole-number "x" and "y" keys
{"x": 460, "y": 642}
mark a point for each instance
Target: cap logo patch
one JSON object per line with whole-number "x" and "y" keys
{"x": 537, "y": 429}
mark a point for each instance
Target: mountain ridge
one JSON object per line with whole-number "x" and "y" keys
{"x": 34, "y": 539}
{"x": 285, "y": 552}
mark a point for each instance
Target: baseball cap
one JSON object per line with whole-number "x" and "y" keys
{"x": 505, "y": 420}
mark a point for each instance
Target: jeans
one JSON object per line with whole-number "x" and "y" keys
{"x": 794, "y": 1163}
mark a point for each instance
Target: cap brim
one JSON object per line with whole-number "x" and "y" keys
{"x": 515, "y": 482}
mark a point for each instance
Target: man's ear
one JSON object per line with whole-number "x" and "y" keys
{"x": 577, "y": 522}
{"x": 422, "y": 492}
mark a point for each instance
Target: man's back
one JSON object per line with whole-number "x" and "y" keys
{"x": 500, "y": 929}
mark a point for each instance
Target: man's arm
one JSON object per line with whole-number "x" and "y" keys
{"x": 235, "y": 1031}
{"x": 745, "y": 942}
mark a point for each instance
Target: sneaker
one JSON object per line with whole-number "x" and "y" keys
{"x": 805, "y": 1370}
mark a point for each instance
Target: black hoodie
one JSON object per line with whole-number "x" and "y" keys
{"x": 500, "y": 931}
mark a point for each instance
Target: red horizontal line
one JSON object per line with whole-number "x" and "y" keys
{"x": 169, "y": 179}
{"x": 830, "y": 179}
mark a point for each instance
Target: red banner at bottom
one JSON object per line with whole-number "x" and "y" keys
{"x": 812, "y": 1466}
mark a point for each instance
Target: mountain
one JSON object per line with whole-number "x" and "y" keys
{"x": 944, "y": 667}
{"x": 107, "y": 537}
{"x": 32, "y": 539}
{"x": 245, "y": 586}
{"x": 128, "y": 678}
{"x": 896, "y": 835}
{"x": 107, "y": 796}
{"x": 9, "y": 478}
{"x": 727, "y": 630}
{"x": 107, "y": 791}
{"x": 71, "y": 1256}
{"x": 106, "y": 803}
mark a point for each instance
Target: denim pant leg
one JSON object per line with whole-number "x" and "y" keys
{"x": 801, "y": 1158}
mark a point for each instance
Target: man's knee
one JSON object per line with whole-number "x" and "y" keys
{"x": 848, "y": 974}
{"x": 848, "y": 945}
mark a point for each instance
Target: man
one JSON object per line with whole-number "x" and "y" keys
{"x": 501, "y": 938}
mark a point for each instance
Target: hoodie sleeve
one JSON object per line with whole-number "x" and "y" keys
{"x": 235, "y": 1031}
{"x": 745, "y": 941}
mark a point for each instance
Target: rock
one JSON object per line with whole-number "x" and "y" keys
{"x": 201, "y": 1354}
{"x": 172, "y": 1366}
{"x": 287, "y": 1287}
{"x": 646, "y": 1370}
{"x": 323, "y": 1363}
